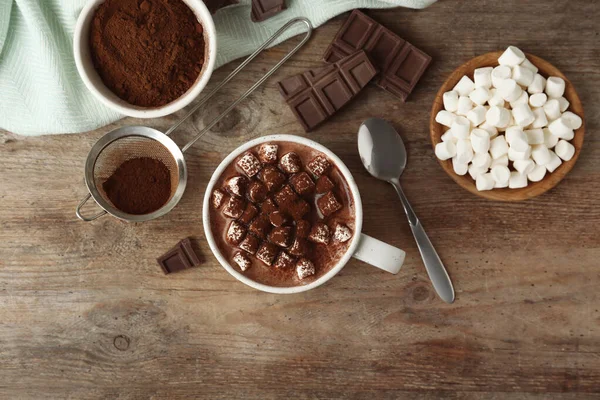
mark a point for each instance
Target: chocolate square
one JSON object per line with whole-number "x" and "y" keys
{"x": 178, "y": 258}
{"x": 264, "y": 9}
{"x": 308, "y": 110}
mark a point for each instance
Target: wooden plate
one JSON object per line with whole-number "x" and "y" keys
{"x": 533, "y": 188}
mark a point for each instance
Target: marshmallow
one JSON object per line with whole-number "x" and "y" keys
{"x": 450, "y": 100}
{"x": 495, "y": 98}
{"x": 512, "y": 132}
{"x": 480, "y": 141}
{"x": 500, "y": 73}
{"x": 552, "y": 109}
{"x": 484, "y": 182}
{"x": 523, "y": 76}
{"x": 527, "y": 64}
{"x": 523, "y": 115}
{"x": 540, "y": 154}
{"x": 564, "y": 104}
{"x": 491, "y": 130}
{"x": 482, "y": 160}
{"x": 498, "y": 147}
{"x": 564, "y": 150}
{"x": 524, "y": 166}
{"x": 498, "y": 116}
{"x": 537, "y": 99}
{"x": 475, "y": 172}
{"x": 538, "y": 85}
{"x": 537, "y": 174}
{"x": 555, "y": 87}
{"x": 464, "y": 105}
{"x": 461, "y": 128}
{"x": 561, "y": 128}
{"x": 514, "y": 155}
{"x": 445, "y": 150}
{"x": 464, "y": 151}
{"x": 483, "y": 77}
{"x": 449, "y": 136}
{"x": 459, "y": 168}
{"x": 500, "y": 185}
{"x": 510, "y": 90}
{"x": 477, "y": 115}
{"x": 480, "y": 96}
{"x": 572, "y": 119}
{"x": 540, "y": 118}
{"x": 464, "y": 86}
{"x": 445, "y": 118}
{"x": 517, "y": 139}
{"x": 501, "y": 174}
{"x": 535, "y": 136}
{"x": 502, "y": 160}
{"x": 549, "y": 139}
{"x": 512, "y": 56}
{"x": 554, "y": 162}
{"x": 523, "y": 99}
{"x": 517, "y": 180}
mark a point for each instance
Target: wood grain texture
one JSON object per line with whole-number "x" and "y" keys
{"x": 85, "y": 311}
{"x": 533, "y": 189}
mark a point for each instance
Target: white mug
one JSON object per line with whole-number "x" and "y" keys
{"x": 363, "y": 247}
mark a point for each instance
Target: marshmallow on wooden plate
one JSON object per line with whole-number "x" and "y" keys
{"x": 477, "y": 115}
{"x": 552, "y": 109}
{"x": 449, "y": 136}
{"x": 549, "y": 139}
{"x": 572, "y": 119}
{"x": 524, "y": 166}
{"x": 540, "y": 118}
{"x": 464, "y": 105}
{"x": 445, "y": 150}
{"x": 510, "y": 90}
{"x": 464, "y": 86}
{"x": 523, "y": 76}
{"x": 523, "y": 115}
{"x": 450, "y": 100}
{"x": 517, "y": 180}
{"x": 555, "y": 87}
{"x": 499, "y": 74}
{"x": 554, "y": 162}
{"x": 564, "y": 104}
{"x": 445, "y": 118}
{"x": 514, "y": 155}
{"x": 498, "y": 117}
{"x": 464, "y": 151}
{"x": 540, "y": 154}
{"x": 501, "y": 175}
{"x": 535, "y": 136}
{"x": 537, "y": 174}
{"x": 480, "y": 141}
{"x": 480, "y": 95}
{"x": 483, "y": 77}
{"x": 491, "y": 130}
{"x": 484, "y": 182}
{"x": 523, "y": 99}
{"x": 482, "y": 160}
{"x": 517, "y": 139}
{"x": 512, "y": 56}
{"x": 561, "y": 128}
{"x": 564, "y": 150}
{"x": 527, "y": 64}
{"x": 474, "y": 171}
{"x": 537, "y": 99}
{"x": 498, "y": 147}
{"x": 502, "y": 160}
{"x": 461, "y": 127}
{"x": 459, "y": 168}
{"x": 537, "y": 85}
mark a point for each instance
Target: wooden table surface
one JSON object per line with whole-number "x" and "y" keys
{"x": 85, "y": 311}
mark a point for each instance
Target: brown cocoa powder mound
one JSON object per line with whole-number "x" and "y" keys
{"x": 148, "y": 52}
{"x": 139, "y": 186}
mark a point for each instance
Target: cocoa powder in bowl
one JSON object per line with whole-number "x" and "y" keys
{"x": 147, "y": 52}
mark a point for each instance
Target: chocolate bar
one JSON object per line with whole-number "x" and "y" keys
{"x": 401, "y": 64}
{"x": 316, "y": 95}
{"x": 263, "y": 9}
{"x": 180, "y": 257}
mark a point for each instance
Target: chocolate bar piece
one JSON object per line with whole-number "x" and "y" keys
{"x": 401, "y": 64}
{"x": 316, "y": 95}
{"x": 215, "y": 5}
{"x": 180, "y": 257}
{"x": 263, "y": 9}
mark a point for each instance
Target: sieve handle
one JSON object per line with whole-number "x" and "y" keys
{"x": 212, "y": 123}
{"x": 87, "y": 219}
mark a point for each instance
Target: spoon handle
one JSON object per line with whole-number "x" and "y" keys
{"x": 434, "y": 266}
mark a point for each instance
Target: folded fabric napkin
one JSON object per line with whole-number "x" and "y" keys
{"x": 40, "y": 89}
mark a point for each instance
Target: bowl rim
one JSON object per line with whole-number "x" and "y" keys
{"x": 358, "y": 213}
{"x": 95, "y": 85}
{"x": 533, "y": 189}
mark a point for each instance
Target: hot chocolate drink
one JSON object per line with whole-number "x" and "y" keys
{"x": 282, "y": 214}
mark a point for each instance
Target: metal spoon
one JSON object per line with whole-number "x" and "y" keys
{"x": 383, "y": 154}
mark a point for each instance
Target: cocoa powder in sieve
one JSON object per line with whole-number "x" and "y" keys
{"x": 139, "y": 186}
{"x": 147, "y": 52}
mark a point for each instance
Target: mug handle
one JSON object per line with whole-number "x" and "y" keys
{"x": 379, "y": 254}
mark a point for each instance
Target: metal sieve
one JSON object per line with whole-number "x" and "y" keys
{"x": 125, "y": 143}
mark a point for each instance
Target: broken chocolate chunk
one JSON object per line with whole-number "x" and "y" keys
{"x": 263, "y": 9}
{"x": 249, "y": 244}
{"x": 267, "y": 253}
{"x": 267, "y": 153}
{"x": 249, "y": 213}
{"x": 319, "y": 233}
{"x": 178, "y": 258}
{"x": 237, "y": 185}
{"x": 324, "y": 184}
{"x": 302, "y": 183}
{"x": 290, "y": 163}
{"x": 284, "y": 260}
{"x": 302, "y": 228}
{"x": 260, "y": 226}
{"x": 328, "y": 204}
{"x": 318, "y": 166}
{"x": 304, "y": 268}
{"x": 278, "y": 218}
{"x": 242, "y": 260}
{"x": 235, "y": 232}
{"x": 249, "y": 164}
{"x": 281, "y": 236}
{"x": 234, "y": 207}
{"x": 272, "y": 177}
{"x": 257, "y": 192}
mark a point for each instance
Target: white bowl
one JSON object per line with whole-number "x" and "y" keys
{"x": 94, "y": 83}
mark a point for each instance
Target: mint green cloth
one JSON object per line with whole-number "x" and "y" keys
{"x": 40, "y": 89}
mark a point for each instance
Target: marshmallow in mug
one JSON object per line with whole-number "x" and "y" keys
{"x": 528, "y": 109}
